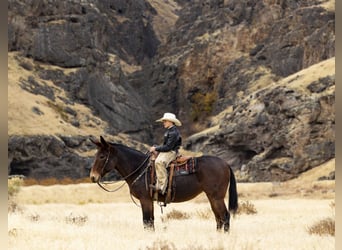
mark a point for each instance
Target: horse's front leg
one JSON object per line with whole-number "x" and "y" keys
{"x": 148, "y": 214}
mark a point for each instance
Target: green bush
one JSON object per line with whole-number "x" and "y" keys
{"x": 202, "y": 105}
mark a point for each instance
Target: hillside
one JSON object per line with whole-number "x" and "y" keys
{"x": 253, "y": 82}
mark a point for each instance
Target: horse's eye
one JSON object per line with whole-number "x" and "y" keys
{"x": 102, "y": 157}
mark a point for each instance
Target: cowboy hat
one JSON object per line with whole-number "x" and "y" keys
{"x": 170, "y": 117}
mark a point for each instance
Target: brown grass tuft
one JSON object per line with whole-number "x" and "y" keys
{"x": 13, "y": 232}
{"x": 161, "y": 245}
{"x": 177, "y": 215}
{"x": 78, "y": 220}
{"x": 246, "y": 207}
{"x": 323, "y": 227}
{"x": 34, "y": 217}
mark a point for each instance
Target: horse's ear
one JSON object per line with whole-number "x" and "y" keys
{"x": 96, "y": 142}
{"x": 103, "y": 142}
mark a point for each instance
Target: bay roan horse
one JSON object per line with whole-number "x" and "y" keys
{"x": 212, "y": 176}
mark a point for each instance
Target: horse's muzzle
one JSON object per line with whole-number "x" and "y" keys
{"x": 94, "y": 177}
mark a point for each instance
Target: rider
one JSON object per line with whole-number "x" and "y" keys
{"x": 168, "y": 151}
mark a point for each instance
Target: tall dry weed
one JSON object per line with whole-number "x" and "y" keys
{"x": 13, "y": 188}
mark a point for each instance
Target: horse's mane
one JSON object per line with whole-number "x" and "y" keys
{"x": 126, "y": 148}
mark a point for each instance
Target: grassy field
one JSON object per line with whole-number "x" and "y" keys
{"x": 83, "y": 216}
{"x": 278, "y": 224}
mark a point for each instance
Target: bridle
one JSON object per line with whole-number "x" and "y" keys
{"x": 125, "y": 177}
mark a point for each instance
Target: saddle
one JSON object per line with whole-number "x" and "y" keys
{"x": 182, "y": 165}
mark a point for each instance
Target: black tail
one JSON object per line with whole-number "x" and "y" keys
{"x": 233, "y": 196}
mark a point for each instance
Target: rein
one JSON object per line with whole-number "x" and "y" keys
{"x": 125, "y": 177}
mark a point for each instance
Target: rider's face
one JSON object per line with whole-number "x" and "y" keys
{"x": 167, "y": 124}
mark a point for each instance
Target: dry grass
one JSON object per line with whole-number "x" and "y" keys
{"x": 54, "y": 181}
{"x": 82, "y": 216}
{"x": 323, "y": 227}
{"x": 21, "y": 119}
{"x": 166, "y": 17}
{"x": 79, "y": 220}
{"x": 13, "y": 186}
{"x": 246, "y": 207}
{"x": 279, "y": 224}
{"x": 176, "y": 215}
{"x": 328, "y": 5}
{"x": 297, "y": 214}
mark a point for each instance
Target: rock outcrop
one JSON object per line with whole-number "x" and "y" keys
{"x": 220, "y": 65}
{"x": 280, "y": 131}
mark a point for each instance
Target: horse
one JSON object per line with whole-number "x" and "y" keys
{"x": 212, "y": 176}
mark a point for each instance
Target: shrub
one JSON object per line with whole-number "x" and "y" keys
{"x": 246, "y": 207}
{"x": 323, "y": 227}
{"x": 177, "y": 215}
{"x": 202, "y": 105}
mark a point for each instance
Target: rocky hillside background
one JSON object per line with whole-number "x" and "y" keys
{"x": 252, "y": 81}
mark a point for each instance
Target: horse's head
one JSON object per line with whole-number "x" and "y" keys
{"x": 103, "y": 160}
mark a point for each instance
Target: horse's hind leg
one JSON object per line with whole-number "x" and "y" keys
{"x": 222, "y": 215}
{"x": 226, "y": 221}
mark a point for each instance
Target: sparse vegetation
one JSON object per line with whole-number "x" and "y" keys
{"x": 58, "y": 109}
{"x": 177, "y": 215}
{"x": 190, "y": 225}
{"x": 325, "y": 226}
{"x": 78, "y": 220}
{"x": 53, "y": 181}
{"x": 34, "y": 217}
{"x": 161, "y": 245}
{"x": 14, "y": 185}
{"x": 205, "y": 214}
{"x": 13, "y": 188}
{"x": 246, "y": 207}
{"x": 202, "y": 104}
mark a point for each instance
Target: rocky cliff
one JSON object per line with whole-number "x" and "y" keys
{"x": 252, "y": 81}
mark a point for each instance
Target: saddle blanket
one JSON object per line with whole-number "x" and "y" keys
{"x": 184, "y": 167}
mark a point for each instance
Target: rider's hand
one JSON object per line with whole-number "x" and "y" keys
{"x": 152, "y": 149}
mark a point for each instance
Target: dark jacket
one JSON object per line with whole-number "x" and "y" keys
{"x": 172, "y": 140}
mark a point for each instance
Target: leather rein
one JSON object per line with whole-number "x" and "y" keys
{"x": 125, "y": 177}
